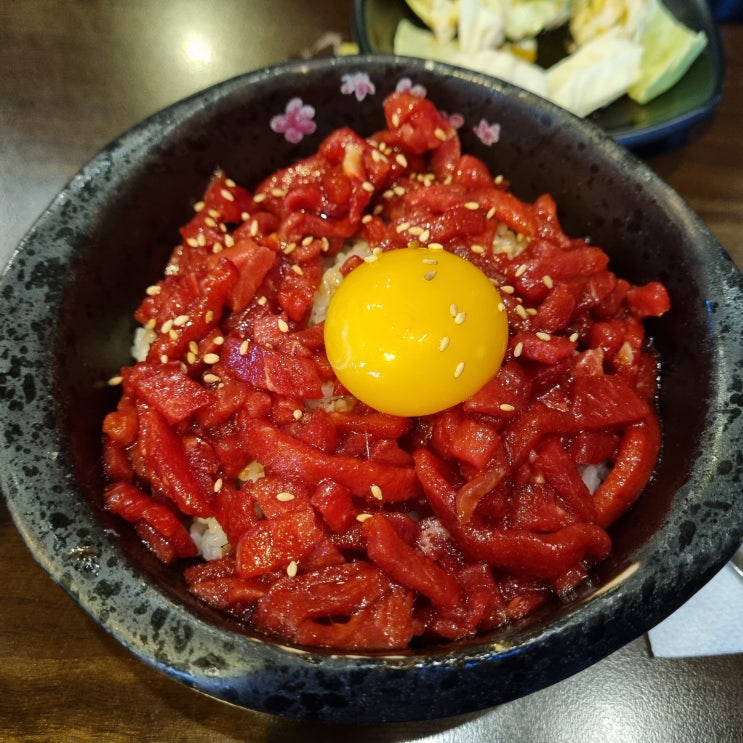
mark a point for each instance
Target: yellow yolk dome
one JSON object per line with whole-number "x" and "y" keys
{"x": 415, "y": 331}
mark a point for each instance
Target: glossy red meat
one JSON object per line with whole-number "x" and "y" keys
{"x": 346, "y": 527}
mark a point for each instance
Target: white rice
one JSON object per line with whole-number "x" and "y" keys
{"x": 143, "y": 337}
{"x": 209, "y": 538}
{"x": 332, "y": 279}
{"x": 594, "y": 474}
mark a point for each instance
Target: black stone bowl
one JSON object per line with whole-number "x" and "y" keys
{"x": 67, "y": 300}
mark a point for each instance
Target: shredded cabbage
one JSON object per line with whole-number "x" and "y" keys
{"x": 617, "y": 47}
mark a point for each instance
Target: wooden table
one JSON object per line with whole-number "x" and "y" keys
{"x": 73, "y": 75}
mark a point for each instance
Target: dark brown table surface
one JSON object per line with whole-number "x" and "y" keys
{"x": 73, "y": 75}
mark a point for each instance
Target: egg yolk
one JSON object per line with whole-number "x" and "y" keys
{"x": 415, "y": 330}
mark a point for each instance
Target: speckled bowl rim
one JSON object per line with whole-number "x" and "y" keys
{"x": 42, "y": 495}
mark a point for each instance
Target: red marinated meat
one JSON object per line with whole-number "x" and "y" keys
{"x": 348, "y": 528}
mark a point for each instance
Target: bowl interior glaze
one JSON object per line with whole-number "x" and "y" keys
{"x": 69, "y": 293}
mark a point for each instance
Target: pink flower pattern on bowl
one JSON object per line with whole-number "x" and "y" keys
{"x": 406, "y": 85}
{"x": 358, "y": 84}
{"x": 486, "y": 132}
{"x": 296, "y": 121}
{"x": 456, "y": 120}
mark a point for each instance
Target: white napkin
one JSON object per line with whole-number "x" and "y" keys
{"x": 710, "y": 623}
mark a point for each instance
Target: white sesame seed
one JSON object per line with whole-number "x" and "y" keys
{"x": 292, "y": 568}
{"x": 153, "y": 290}
{"x": 209, "y": 316}
{"x": 518, "y": 349}
{"x": 388, "y": 194}
{"x": 211, "y": 358}
{"x": 430, "y": 261}
{"x": 297, "y": 414}
{"x": 151, "y": 324}
{"x": 261, "y": 300}
{"x": 244, "y": 347}
{"x": 376, "y": 491}
{"x": 289, "y": 248}
{"x": 118, "y": 379}
{"x": 209, "y": 222}
{"x": 471, "y": 205}
{"x": 574, "y": 337}
{"x": 440, "y": 134}
{"x": 520, "y": 271}
{"x": 259, "y": 198}
{"x": 398, "y": 191}
{"x": 458, "y": 371}
{"x": 192, "y": 242}
{"x": 521, "y": 312}
{"x": 498, "y": 180}
{"x": 429, "y": 275}
{"x": 491, "y": 213}
{"x": 166, "y": 326}
{"x": 181, "y": 320}
{"x": 191, "y": 357}
{"x": 297, "y": 269}
{"x": 218, "y": 340}
{"x": 401, "y": 160}
{"x": 363, "y": 517}
{"x": 478, "y": 249}
{"x": 173, "y": 335}
{"x": 211, "y": 378}
{"x": 507, "y": 289}
{"x": 164, "y": 358}
{"x": 402, "y": 227}
{"x": 435, "y": 246}
{"x": 198, "y": 206}
{"x": 444, "y": 343}
{"x": 395, "y": 119}
{"x": 367, "y": 217}
{"x": 531, "y": 311}
{"x": 277, "y": 193}
{"x": 370, "y": 258}
{"x": 253, "y": 228}
{"x": 283, "y": 325}
{"x": 218, "y": 484}
{"x": 501, "y": 307}
{"x": 544, "y": 336}
{"x": 229, "y": 241}
{"x": 506, "y": 408}
{"x": 368, "y": 187}
{"x": 547, "y": 281}
{"x": 424, "y": 236}
{"x": 217, "y": 248}
{"x": 226, "y": 195}
{"x": 416, "y": 231}
{"x": 460, "y": 317}
{"x": 453, "y": 310}
{"x": 285, "y": 497}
